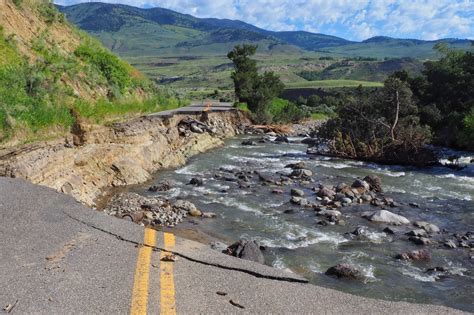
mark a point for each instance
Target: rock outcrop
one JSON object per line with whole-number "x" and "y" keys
{"x": 99, "y": 157}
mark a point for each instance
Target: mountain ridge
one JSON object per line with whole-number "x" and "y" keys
{"x": 97, "y": 17}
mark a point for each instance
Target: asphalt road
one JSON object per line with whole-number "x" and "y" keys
{"x": 57, "y": 256}
{"x": 196, "y": 108}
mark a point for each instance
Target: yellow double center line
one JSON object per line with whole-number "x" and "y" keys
{"x": 139, "y": 303}
{"x": 167, "y": 292}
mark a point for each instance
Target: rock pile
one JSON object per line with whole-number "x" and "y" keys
{"x": 153, "y": 211}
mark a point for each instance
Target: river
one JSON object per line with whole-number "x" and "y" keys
{"x": 295, "y": 242}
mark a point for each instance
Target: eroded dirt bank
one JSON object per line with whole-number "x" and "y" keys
{"x": 97, "y": 157}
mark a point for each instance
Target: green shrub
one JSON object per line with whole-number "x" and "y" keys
{"x": 284, "y": 111}
{"x": 18, "y": 3}
{"x": 466, "y": 137}
{"x": 49, "y": 12}
{"x": 241, "y": 106}
{"x": 115, "y": 70}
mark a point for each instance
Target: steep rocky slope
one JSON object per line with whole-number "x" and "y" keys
{"x": 96, "y": 157}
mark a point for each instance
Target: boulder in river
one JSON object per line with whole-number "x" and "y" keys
{"x": 450, "y": 244}
{"x": 196, "y": 181}
{"x": 346, "y": 271}
{"x": 361, "y": 185}
{"x": 384, "y": 216}
{"x": 375, "y": 183}
{"x": 297, "y": 192}
{"x": 248, "y": 250}
{"x": 282, "y": 139}
{"x": 417, "y": 232}
{"x": 310, "y": 141}
{"x": 299, "y": 201}
{"x": 326, "y": 192}
{"x": 419, "y": 240}
{"x": 428, "y": 227}
{"x": 301, "y": 173}
{"x": 415, "y": 255}
{"x": 248, "y": 142}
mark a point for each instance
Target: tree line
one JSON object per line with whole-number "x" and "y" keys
{"x": 395, "y": 123}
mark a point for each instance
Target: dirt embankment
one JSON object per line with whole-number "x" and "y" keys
{"x": 98, "y": 157}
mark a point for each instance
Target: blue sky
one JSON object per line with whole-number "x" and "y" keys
{"x": 350, "y": 19}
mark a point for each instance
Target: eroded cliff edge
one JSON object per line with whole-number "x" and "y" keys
{"x": 94, "y": 157}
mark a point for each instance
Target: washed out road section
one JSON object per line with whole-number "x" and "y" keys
{"x": 196, "y": 108}
{"x": 58, "y": 256}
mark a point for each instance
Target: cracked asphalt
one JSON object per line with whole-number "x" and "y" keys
{"x": 57, "y": 256}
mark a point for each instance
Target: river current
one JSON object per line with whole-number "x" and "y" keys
{"x": 295, "y": 242}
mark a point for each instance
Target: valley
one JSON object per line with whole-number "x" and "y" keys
{"x": 188, "y": 53}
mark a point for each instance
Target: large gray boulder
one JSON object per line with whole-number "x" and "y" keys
{"x": 384, "y": 216}
{"x": 346, "y": 271}
{"x": 248, "y": 250}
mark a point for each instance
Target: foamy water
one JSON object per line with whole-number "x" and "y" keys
{"x": 295, "y": 241}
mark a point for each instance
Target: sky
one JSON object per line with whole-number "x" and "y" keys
{"x": 350, "y": 19}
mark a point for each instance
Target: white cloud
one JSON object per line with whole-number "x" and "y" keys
{"x": 353, "y": 19}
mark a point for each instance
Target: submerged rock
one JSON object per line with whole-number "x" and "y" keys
{"x": 418, "y": 232}
{"x": 248, "y": 142}
{"x": 384, "y": 216}
{"x": 297, "y": 192}
{"x": 415, "y": 255}
{"x": 196, "y": 181}
{"x": 419, "y": 240}
{"x": 346, "y": 271}
{"x": 282, "y": 139}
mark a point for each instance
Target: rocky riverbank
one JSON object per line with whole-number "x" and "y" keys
{"x": 95, "y": 158}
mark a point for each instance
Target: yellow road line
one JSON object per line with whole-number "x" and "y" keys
{"x": 167, "y": 291}
{"x": 142, "y": 274}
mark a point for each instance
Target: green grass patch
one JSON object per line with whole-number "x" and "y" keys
{"x": 105, "y": 110}
{"x": 242, "y": 106}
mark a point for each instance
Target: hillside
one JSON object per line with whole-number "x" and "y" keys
{"x": 186, "y": 52}
{"x": 132, "y": 31}
{"x": 52, "y": 74}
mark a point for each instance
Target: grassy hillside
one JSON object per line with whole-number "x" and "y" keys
{"x": 364, "y": 70}
{"x": 51, "y": 74}
{"x": 162, "y": 32}
{"x": 382, "y": 47}
{"x": 185, "y": 52}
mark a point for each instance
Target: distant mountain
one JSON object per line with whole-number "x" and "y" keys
{"x": 134, "y": 31}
